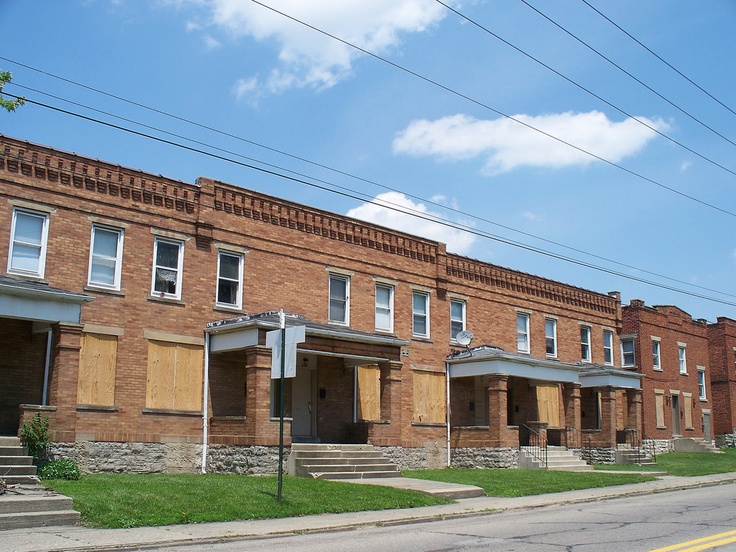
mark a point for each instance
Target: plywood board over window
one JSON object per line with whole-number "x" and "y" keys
{"x": 174, "y": 379}
{"x": 659, "y": 407}
{"x": 97, "y": 359}
{"x": 368, "y": 392}
{"x": 548, "y": 403}
{"x": 429, "y": 397}
{"x": 688, "y": 402}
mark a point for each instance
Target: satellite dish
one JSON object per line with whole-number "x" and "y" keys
{"x": 464, "y": 337}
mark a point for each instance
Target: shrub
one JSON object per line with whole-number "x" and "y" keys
{"x": 34, "y": 434}
{"x": 61, "y": 468}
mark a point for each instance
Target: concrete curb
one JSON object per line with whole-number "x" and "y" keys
{"x": 82, "y": 539}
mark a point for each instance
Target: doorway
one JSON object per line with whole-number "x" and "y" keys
{"x": 676, "y": 415}
{"x": 304, "y": 401}
{"x": 707, "y": 435}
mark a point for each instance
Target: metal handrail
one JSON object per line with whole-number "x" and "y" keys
{"x": 537, "y": 446}
{"x": 575, "y": 439}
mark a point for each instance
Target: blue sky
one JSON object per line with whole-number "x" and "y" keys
{"x": 446, "y": 119}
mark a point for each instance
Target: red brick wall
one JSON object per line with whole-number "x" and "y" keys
{"x": 289, "y": 248}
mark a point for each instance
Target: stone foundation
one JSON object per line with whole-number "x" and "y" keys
{"x": 727, "y": 440}
{"x": 485, "y": 457}
{"x": 599, "y": 455}
{"x": 253, "y": 460}
{"x": 108, "y": 457}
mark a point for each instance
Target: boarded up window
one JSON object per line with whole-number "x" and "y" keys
{"x": 368, "y": 392}
{"x": 659, "y": 404}
{"x": 548, "y": 404}
{"x": 174, "y": 376}
{"x": 688, "y": 411}
{"x": 429, "y": 397}
{"x": 97, "y": 360}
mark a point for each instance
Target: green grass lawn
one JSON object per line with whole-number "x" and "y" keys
{"x": 518, "y": 482}
{"x": 686, "y": 463}
{"x": 128, "y": 500}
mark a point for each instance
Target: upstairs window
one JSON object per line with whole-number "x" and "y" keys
{"x": 585, "y": 343}
{"x": 28, "y": 239}
{"x": 457, "y": 317}
{"x": 229, "y": 279}
{"x": 384, "y": 307}
{"x": 105, "y": 257}
{"x": 522, "y": 332}
{"x": 550, "y": 336}
{"x": 339, "y": 299}
{"x": 420, "y": 314}
{"x": 628, "y": 356}
{"x": 683, "y": 358}
{"x": 656, "y": 362}
{"x": 168, "y": 260}
{"x": 608, "y": 347}
{"x": 701, "y": 385}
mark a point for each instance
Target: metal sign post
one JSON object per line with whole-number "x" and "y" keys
{"x": 283, "y": 365}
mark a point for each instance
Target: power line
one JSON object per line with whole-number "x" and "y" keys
{"x": 389, "y": 205}
{"x": 502, "y": 114}
{"x": 688, "y": 79}
{"x": 365, "y": 196}
{"x": 590, "y": 92}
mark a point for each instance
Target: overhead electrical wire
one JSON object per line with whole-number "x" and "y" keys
{"x": 418, "y": 198}
{"x": 630, "y": 75}
{"x": 660, "y": 58}
{"x": 502, "y": 114}
{"x": 590, "y": 92}
{"x": 411, "y": 212}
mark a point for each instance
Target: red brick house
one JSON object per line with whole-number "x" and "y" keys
{"x": 136, "y": 308}
{"x": 722, "y": 350}
{"x": 671, "y": 350}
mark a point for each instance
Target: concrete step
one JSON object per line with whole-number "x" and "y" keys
{"x": 322, "y": 447}
{"x": 355, "y": 475}
{"x": 25, "y": 520}
{"x": 13, "y": 451}
{"x": 21, "y": 479}
{"x": 379, "y": 459}
{"x": 312, "y": 468}
{"x": 6, "y": 441}
{"x": 15, "y": 504}
{"x": 7, "y": 470}
{"x": 16, "y": 460}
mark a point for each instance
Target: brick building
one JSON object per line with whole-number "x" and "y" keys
{"x": 722, "y": 349}
{"x": 136, "y": 308}
{"x": 671, "y": 350}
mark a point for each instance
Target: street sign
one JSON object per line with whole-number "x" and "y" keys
{"x": 294, "y": 335}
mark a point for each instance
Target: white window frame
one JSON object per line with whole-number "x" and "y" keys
{"x": 682, "y": 357}
{"x": 524, "y": 332}
{"x": 344, "y": 299}
{"x": 414, "y": 314}
{"x": 117, "y": 260}
{"x": 632, "y": 353}
{"x": 239, "y": 294}
{"x": 385, "y": 309}
{"x": 608, "y": 347}
{"x": 179, "y": 268}
{"x": 454, "y": 320}
{"x": 550, "y": 323}
{"x": 656, "y": 355}
{"x": 702, "y": 393}
{"x": 585, "y": 333}
{"x": 42, "y": 246}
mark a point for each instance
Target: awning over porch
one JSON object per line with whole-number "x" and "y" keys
{"x": 241, "y": 332}
{"x": 29, "y": 300}
{"x": 595, "y": 375}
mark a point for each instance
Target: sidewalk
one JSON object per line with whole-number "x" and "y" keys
{"x": 46, "y": 539}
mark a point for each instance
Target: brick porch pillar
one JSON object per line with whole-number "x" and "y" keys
{"x": 387, "y": 431}
{"x": 260, "y": 428}
{"x": 608, "y": 416}
{"x": 634, "y": 412}
{"x": 64, "y": 380}
{"x": 498, "y": 387}
{"x": 573, "y": 410}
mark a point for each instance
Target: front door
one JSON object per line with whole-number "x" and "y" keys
{"x": 304, "y": 420}
{"x": 676, "y": 415}
{"x": 707, "y": 435}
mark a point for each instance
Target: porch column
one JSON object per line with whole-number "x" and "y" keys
{"x": 260, "y": 430}
{"x": 498, "y": 387}
{"x": 572, "y": 403}
{"x": 608, "y": 416}
{"x": 64, "y": 379}
{"x": 634, "y": 404}
{"x": 387, "y": 432}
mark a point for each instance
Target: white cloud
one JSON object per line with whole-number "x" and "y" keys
{"x": 528, "y": 215}
{"x": 507, "y": 145}
{"x": 391, "y": 210}
{"x": 307, "y": 58}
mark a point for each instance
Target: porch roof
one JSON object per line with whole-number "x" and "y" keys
{"x": 30, "y": 300}
{"x": 595, "y": 375}
{"x": 237, "y": 333}
{"x": 489, "y": 360}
